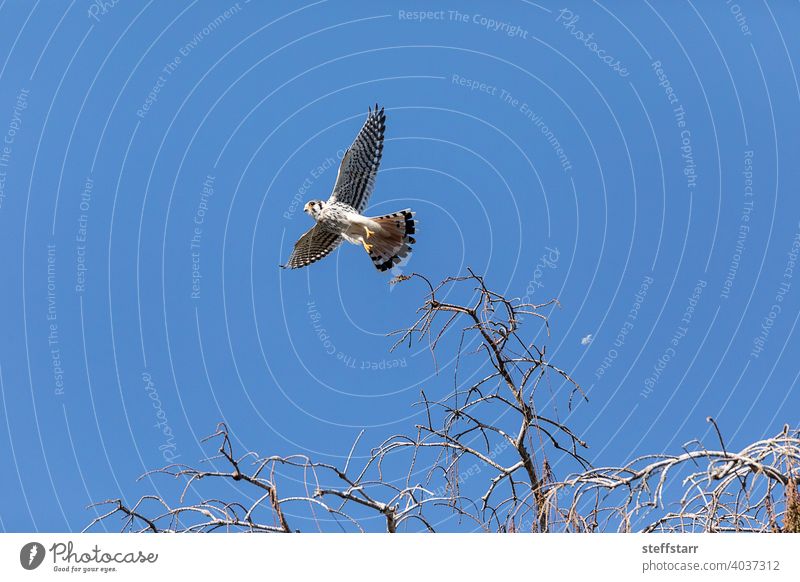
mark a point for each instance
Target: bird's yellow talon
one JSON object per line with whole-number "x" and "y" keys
{"x": 367, "y": 247}
{"x": 369, "y": 232}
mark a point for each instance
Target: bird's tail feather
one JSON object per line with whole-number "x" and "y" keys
{"x": 393, "y": 241}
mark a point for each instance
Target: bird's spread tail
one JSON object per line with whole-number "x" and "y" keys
{"x": 392, "y": 242}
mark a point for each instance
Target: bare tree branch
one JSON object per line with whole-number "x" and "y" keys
{"x": 482, "y": 456}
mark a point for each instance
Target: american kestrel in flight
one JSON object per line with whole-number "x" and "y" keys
{"x": 387, "y": 239}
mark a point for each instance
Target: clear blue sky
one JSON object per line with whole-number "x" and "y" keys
{"x": 157, "y": 155}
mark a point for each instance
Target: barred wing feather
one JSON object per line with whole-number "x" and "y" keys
{"x": 356, "y": 178}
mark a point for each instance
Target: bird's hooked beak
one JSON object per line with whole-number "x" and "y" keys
{"x": 307, "y": 208}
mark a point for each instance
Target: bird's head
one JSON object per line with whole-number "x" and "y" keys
{"x": 314, "y": 207}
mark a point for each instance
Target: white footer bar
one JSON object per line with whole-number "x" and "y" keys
{"x": 333, "y": 557}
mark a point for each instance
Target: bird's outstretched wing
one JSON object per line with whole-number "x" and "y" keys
{"x": 314, "y": 245}
{"x": 360, "y": 163}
